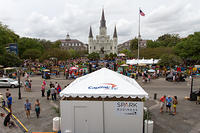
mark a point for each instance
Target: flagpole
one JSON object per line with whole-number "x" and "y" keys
{"x": 139, "y": 36}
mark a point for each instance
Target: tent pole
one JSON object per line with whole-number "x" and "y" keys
{"x": 103, "y": 115}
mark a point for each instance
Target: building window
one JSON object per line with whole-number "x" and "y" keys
{"x": 69, "y": 44}
{"x": 90, "y": 47}
{"x": 115, "y": 47}
{"x": 110, "y": 47}
{"x": 72, "y": 44}
{"x": 94, "y": 47}
{"x": 79, "y": 44}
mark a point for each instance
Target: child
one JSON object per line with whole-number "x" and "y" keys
{"x": 175, "y": 102}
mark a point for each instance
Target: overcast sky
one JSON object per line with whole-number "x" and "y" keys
{"x": 53, "y": 19}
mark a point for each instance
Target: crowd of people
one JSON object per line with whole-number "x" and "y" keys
{"x": 78, "y": 67}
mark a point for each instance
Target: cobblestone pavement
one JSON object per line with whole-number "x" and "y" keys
{"x": 186, "y": 120}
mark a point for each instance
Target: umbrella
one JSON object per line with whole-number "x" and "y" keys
{"x": 124, "y": 65}
{"x": 73, "y": 68}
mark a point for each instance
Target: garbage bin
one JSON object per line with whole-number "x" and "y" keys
{"x": 148, "y": 126}
{"x": 56, "y": 124}
{"x": 68, "y": 131}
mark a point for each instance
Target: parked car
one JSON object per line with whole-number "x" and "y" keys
{"x": 8, "y": 82}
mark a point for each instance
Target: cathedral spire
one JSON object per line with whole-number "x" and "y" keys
{"x": 103, "y": 21}
{"x": 90, "y": 33}
{"x": 115, "y": 32}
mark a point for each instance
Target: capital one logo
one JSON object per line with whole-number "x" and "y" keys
{"x": 106, "y": 86}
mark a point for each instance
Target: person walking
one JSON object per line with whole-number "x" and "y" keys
{"x": 175, "y": 102}
{"x": 43, "y": 90}
{"x": 9, "y": 103}
{"x": 162, "y": 103}
{"x": 53, "y": 91}
{"x": 27, "y": 107}
{"x": 37, "y": 108}
{"x": 168, "y": 103}
{"x": 48, "y": 93}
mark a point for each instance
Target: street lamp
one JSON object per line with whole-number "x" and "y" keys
{"x": 19, "y": 93}
{"x": 191, "y": 90}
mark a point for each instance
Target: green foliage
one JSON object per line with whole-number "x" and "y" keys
{"x": 170, "y": 60}
{"x": 134, "y": 44}
{"x": 55, "y": 52}
{"x": 46, "y": 43}
{"x": 10, "y": 60}
{"x": 128, "y": 53}
{"x": 2, "y": 50}
{"x": 189, "y": 48}
{"x": 7, "y": 35}
{"x": 155, "y": 53}
{"x": 110, "y": 56}
{"x": 56, "y": 44}
{"x": 93, "y": 56}
{"x": 147, "y": 115}
{"x": 152, "y": 44}
{"x": 31, "y": 54}
{"x": 168, "y": 40}
{"x": 25, "y": 43}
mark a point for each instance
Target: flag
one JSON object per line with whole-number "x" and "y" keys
{"x": 141, "y": 13}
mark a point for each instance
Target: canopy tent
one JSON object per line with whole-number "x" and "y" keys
{"x": 104, "y": 83}
{"x": 151, "y": 71}
{"x": 73, "y": 68}
{"x": 121, "y": 55}
{"x": 142, "y": 61}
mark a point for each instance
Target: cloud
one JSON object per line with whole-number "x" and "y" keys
{"x": 175, "y": 19}
{"x": 50, "y": 19}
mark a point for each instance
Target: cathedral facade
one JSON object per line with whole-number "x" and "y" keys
{"x": 103, "y": 44}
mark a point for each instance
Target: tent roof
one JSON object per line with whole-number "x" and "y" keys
{"x": 104, "y": 83}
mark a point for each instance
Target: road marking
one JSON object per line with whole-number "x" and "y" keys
{"x": 25, "y": 129}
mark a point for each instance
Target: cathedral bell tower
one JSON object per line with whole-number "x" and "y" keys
{"x": 90, "y": 41}
{"x": 103, "y": 28}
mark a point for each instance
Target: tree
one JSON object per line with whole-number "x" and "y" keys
{"x": 170, "y": 60}
{"x": 152, "y": 44}
{"x": 7, "y": 35}
{"x": 25, "y": 43}
{"x": 56, "y": 44}
{"x": 134, "y": 43}
{"x": 31, "y": 54}
{"x": 10, "y": 60}
{"x": 58, "y": 53}
{"x": 188, "y": 48}
{"x": 94, "y": 56}
{"x": 168, "y": 40}
{"x": 128, "y": 53}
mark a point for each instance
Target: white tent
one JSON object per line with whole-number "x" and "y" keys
{"x": 142, "y": 61}
{"x": 102, "y": 102}
{"x": 104, "y": 82}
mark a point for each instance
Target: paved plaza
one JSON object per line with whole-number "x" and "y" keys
{"x": 186, "y": 121}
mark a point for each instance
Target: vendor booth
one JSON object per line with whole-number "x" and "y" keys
{"x": 102, "y": 102}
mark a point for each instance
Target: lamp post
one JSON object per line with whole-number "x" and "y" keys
{"x": 19, "y": 93}
{"x": 191, "y": 89}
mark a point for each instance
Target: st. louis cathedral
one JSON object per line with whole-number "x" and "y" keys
{"x": 103, "y": 44}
